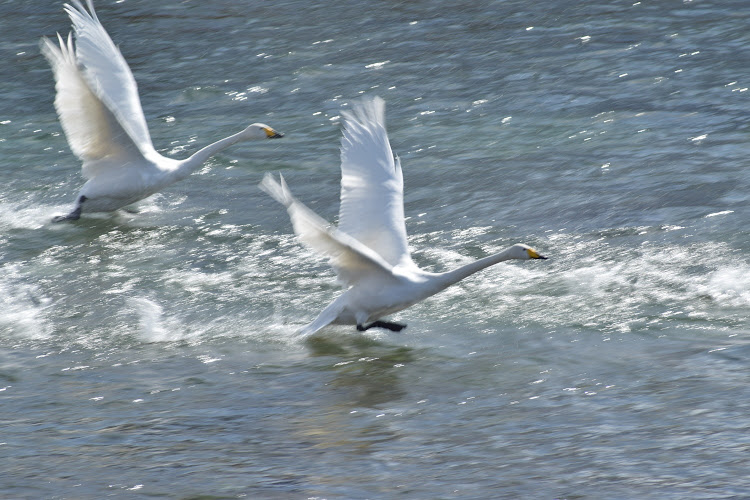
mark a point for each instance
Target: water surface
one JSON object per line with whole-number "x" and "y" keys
{"x": 153, "y": 354}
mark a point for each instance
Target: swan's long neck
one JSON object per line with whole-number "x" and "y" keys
{"x": 451, "y": 277}
{"x": 189, "y": 165}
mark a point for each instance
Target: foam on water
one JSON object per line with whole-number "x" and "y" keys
{"x": 728, "y": 286}
{"x": 590, "y": 280}
{"x": 598, "y": 284}
{"x": 28, "y": 214}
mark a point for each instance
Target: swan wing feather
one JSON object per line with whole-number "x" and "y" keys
{"x": 372, "y": 185}
{"x": 108, "y": 74}
{"x": 92, "y": 130}
{"x": 350, "y": 259}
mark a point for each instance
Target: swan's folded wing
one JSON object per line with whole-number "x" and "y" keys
{"x": 108, "y": 74}
{"x": 372, "y": 186}
{"x": 349, "y": 258}
{"x": 92, "y": 131}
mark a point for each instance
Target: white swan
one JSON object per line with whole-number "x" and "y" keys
{"x": 368, "y": 250}
{"x": 100, "y": 111}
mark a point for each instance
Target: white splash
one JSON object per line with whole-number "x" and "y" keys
{"x": 153, "y": 325}
{"x": 23, "y": 309}
{"x": 29, "y": 215}
{"x": 723, "y": 212}
{"x": 728, "y": 286}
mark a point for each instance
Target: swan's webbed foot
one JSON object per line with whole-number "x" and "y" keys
{"x": 74, "y": 215}
{"x": 394, "y": 327}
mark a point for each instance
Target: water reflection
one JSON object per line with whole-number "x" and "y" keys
{"x": 366, "y": 368}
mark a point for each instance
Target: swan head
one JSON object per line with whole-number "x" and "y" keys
{"x": 524, "y": 252}
{"x": 260, "y": 131}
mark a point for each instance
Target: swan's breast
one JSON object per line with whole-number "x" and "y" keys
{"x": 118, "y": 186}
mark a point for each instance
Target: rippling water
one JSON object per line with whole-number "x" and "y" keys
{"x": 153, "y": 354}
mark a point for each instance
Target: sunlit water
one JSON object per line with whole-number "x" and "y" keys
{"x": 154, "y": 355}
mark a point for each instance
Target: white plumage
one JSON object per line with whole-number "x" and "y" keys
{"x": 100, "y": 111}
{"x": 369, "y": 249}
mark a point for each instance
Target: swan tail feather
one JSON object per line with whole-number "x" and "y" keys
{"x": 325, "y": 318}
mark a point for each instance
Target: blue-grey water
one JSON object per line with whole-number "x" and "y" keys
{"x": 152, "y": 355}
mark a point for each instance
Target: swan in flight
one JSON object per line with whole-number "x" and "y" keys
{"x": 100, "y": 111}
{"x": 369, "y": 250}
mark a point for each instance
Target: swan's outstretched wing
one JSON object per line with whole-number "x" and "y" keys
{"x": 107, "y": 73}
{"x": 350, "y": 259}
{"x": 92, "y": 130}
{"x": 372, "y": 185}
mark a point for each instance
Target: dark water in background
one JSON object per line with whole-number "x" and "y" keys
{"x": 152, "y": 355}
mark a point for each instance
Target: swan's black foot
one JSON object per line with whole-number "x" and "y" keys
{"x": 394, "y": 327}
{"x": 74, "y": 215}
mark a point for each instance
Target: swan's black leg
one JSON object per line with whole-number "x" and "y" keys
{"x": 74, "y": 215}
{"x": 394, "y": 327}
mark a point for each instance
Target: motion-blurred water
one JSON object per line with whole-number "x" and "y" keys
{"x": 153, "y": 354}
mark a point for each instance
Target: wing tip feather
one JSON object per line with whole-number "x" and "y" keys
{"x": 279, "y": 191}
{"x": 61, "y": 53}
{"x": 365, "y": 111}
{"x": 77, "y": 8}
